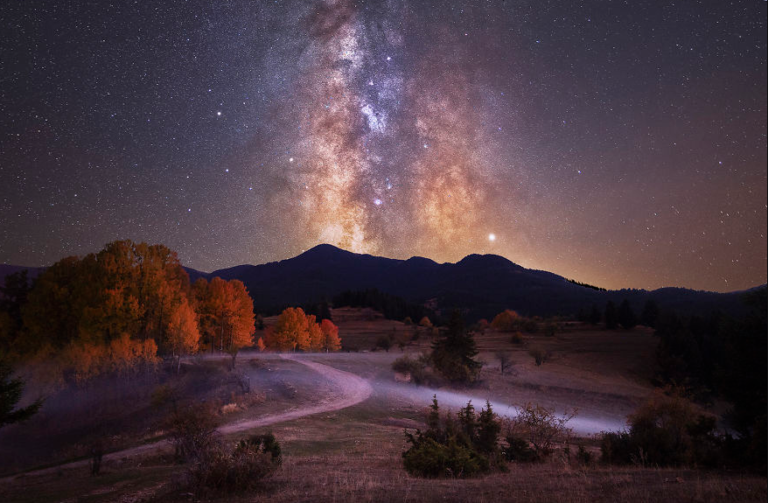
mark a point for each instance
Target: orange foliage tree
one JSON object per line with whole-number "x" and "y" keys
{"x": 183, "y": 334}
{"x": 289, "y": 331}
{"x": 506, "y": 321}
{"x": 297, "y": 330}
{"x": 331, "y": 340}
{"x": 226, "y": 312}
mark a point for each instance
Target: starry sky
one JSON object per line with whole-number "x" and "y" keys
{"x": 618, "y": 143}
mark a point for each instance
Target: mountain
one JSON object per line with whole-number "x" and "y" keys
{"x": 483, "y": 285}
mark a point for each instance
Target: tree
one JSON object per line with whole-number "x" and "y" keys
{"x": 242, "y": 320}
{"x": 504, "y": 360}
{"x": 183, "y": 333}
{"x": 506, "y": 321}
{"x": 290, "y": 329}
{"x": 626, "y": 317}
{"x": 595, "y": 316}
{"x": 331, "y": 340}
{"x": 314, "y": 335}
{"x": 10, "y": 394}
{"x": 453, "y": 354}
{"x": 650, "y": 314}
{"x": 425, "y": 322}
{"x": 611, "y": 317}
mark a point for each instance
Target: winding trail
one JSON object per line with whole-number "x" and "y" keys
{"x": 353, "y": 390}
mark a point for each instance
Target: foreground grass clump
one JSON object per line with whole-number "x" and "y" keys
{"x": 460, "y": 447}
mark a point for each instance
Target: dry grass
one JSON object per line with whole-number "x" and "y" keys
{"x": 354, "y": 455}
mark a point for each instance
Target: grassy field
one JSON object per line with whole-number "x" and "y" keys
{"x": 354, "y": 454}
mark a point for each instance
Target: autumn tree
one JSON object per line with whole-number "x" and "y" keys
{"x": 183, "y": 333}
{"x": 506, "y": 320}
{"x": 314, "y": 339}
{"x": 331, "y": 340}
{"x": 241, "y": 320}
{"x": 290, "y": 331}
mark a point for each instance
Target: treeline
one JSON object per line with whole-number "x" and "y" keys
{"x": 391, "y": 306}
{"x": 118, "y": 309}
{"x": 587, "y": 285}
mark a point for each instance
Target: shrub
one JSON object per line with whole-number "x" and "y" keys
{"x": 540, "y": 356}
{"x": 517, "y": 338}
{"x": 617, "y": 448}
{"x": 667, "y": 430}
{"x": 243, "y": 469}
{"x": 517, "y": 449}
{"x": 454, "y": 448}
{"x": 540, "y": 427}
{"x": 416, "y": 368}
{"x": 384, "y": 342}
{"x": 191, "y": 430}
{"x": 583, "y": 456}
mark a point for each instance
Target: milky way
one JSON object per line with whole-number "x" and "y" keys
{"x": 619, "y": 144}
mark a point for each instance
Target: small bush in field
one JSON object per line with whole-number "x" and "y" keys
{"x": 540, "y": 428}
{"x": 191, "y": 430}
{"x": 517, "y": 338}
{"x": 517, "y": 449}
{"x": 461, "y": 447}
{"x": 667, "y": 430}
{"x": 416, "y": 368}
{"x": 243, "y": 469}
{"x": 540, "y": 356}
{"x": 583, "y": 456}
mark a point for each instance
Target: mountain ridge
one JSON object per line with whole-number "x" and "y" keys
{"x": 481, "y": 285}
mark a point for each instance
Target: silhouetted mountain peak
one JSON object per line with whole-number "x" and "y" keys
{"x": 325, "y": 251}
{"x": 476, "y": 260}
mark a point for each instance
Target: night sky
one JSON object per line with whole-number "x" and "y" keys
{"x": 621, "y": 144}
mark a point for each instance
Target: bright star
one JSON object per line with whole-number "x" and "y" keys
{"x": 491, "y": 237}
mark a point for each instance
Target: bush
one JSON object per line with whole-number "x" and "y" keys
{"x": 540, "y": 428}
{"x": 461, "y": 447}
{"x": 415, "y": 368}
{"x": 517, "y": 338}
{"x": 583, "y": 456}
{"x": 243, "y": 469}
{"x": 428, "y": 458}
{"x": 540, "y": 356}
{"x": 383, "y": 342}
{"x": 191, "y": 430}
{"x": 517, "y": 449}
{"x": 667, "y": 430}
{"x": 617, "y": 448}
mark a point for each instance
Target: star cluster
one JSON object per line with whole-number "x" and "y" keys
{"x": 618, "y": 143}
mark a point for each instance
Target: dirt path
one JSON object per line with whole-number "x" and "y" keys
{"x": 353, "y": 390}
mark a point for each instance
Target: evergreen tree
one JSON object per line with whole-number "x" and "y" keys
{"x": 611, "y": 316}
{"x": 626, "y": 317}
{"x": 650, "y": 314}
{"x": 595, "y": 316}
{"x": 10, "y": 394}
{"x": 453, "y": 354}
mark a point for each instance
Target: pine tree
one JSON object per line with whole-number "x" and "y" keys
{"x": 626, "y": 317}
{"x": 611, "y": 317}
{"x": 453, "y": 354}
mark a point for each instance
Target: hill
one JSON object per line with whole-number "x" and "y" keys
{"x": 481, "y": 285}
